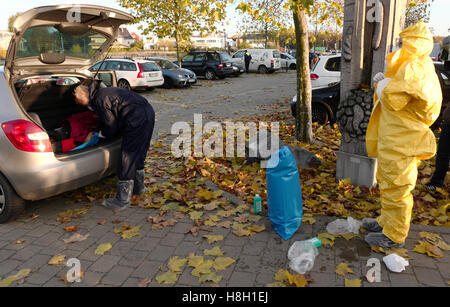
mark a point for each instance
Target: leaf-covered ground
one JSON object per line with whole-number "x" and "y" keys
{"x": 177, "y": 189}
{"x": 179, "y": 182}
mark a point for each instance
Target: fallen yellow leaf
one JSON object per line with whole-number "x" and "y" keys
{"x": 353, "y": 283}
{"x": 103, "y": 248}
{"x": 58, "y": 259}
{"x": 343, "y": 269}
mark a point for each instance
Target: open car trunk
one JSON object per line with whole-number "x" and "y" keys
{"x": 50, "y": 103}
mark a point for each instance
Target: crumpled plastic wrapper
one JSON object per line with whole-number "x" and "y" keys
{"x": 342, "y": 227}
{"x": 395, "y": 263}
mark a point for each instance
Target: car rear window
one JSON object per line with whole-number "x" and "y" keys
{"x": 214, "y": 57}
{"x": 276, "y": 54}
{"x": 225, "y": 57}
{"x": 48, "y": 39}
{"x": 333, "y": 64}
{"x": 150, "y": 67}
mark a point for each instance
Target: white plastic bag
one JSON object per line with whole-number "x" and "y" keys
{"x": 395, "y": 263}
{"x": 342, "y": 227}
{"x": 302, "y": 255}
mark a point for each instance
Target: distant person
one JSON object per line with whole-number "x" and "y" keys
{"x": 125, "y": 113}
{"x": 248, "y": 60}
{"x": 443, "y": 154}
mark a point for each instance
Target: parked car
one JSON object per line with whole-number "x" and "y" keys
{"x": 133, "y": 74}
{"x": 436, "y": 52}
{"x": 325, "y": 101}
{"x": 237, "y": 69}
{"x": 263, "y": 60}
{"x": 294, "y": 55}
{"x": 326, "y": 71}
{"x": 289, "y": 61}
{"x": 208, "y": 64}
{"x": 174, "y": 76}
{"x": 29, "y": 167}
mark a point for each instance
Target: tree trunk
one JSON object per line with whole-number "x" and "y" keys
{"x": 178, "y": 49}
{"x": 303, "y": 131}
{"x": 266, "y": 43}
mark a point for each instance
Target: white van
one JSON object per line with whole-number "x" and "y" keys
{"x": 263, "y": 60}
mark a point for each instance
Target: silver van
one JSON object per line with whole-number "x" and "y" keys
{"x": 48, "y": 56}
{"x": 263, "y": 60}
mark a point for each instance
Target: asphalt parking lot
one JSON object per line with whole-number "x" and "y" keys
{"x": 247, "y": 95}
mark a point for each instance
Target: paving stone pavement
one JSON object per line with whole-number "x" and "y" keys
{"x": 258, "y": 258}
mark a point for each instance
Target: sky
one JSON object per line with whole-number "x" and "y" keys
{"x": 439, "y": 13}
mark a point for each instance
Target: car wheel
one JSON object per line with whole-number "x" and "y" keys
{"x": 11, "y": 205}
{"x": 319, "y": 114}
{"x": 124, "y": 84}
{"x": 210, "y": 74}
{"x": 293, "y": 67}
{"x": 263, "y": 70}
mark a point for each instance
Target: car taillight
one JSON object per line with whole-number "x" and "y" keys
{"x": 272, "y": 62}
{"x": 26, "y": 136}
{"x": 221, "y": 66}
{"x": 314, "y": 77}
{"x": 141, "y": 71}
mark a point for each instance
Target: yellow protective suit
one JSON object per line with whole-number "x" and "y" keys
{"x": 398, "y": 133}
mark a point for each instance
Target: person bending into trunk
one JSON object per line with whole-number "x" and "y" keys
{"x": 122, "y": 112}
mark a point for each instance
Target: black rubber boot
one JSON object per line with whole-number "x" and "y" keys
{"x": 139, "y": 185}
{"x": 123, "y": 197}
{"x": 378, "y": 239}
{"x": 371, "y": 225}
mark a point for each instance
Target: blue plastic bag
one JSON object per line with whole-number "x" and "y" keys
{"x": 94, "y": 141}
{"x": 284, "y": 193}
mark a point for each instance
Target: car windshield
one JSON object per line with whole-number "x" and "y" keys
{"x": 168, "y": 65}
{"x": 225, "y": 57}
{"x": 47, "y": 39}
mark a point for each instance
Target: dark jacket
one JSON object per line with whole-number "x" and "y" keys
{"x": 248, "y": 57}
{"x": 119, "y": 110}
{"x": 446, "y": 115}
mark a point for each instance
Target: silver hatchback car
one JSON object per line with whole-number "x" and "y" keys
{"x": 49, "y": 54}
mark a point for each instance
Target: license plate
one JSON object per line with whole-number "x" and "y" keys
{"x": 228, "y": 64}
{"x": 192, "y": 80}
{"x": 154, "y": 74}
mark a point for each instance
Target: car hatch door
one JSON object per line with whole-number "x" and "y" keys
{"x": 108, "y": 77}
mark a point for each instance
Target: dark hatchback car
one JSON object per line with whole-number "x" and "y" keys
{"x": 237, "y": 70}
{"x": 325, "y": 101}
{"x": 209, "y": 64}
{"x": 174, "y": 76}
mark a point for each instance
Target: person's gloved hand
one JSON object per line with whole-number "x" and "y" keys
{"x": 381, "y": 86}
{"x": 378, "y": 77}
{"x": 89, "y": 137}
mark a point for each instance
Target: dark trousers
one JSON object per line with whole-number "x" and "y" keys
{"x": 442, "y": 157}
{"x": 136, "y": 143}
{"x": 247, "y": 67}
